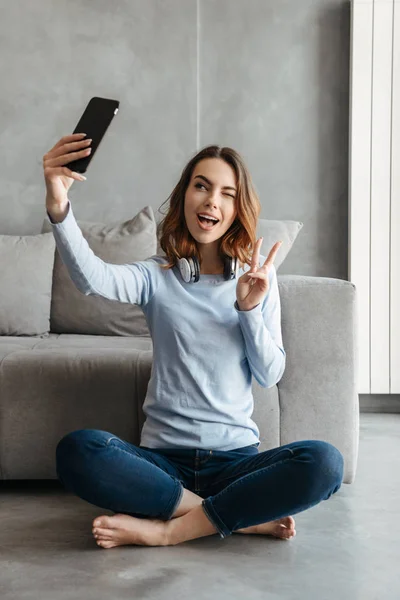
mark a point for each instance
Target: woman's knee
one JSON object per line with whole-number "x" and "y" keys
{"x": 77, "y": 444}
{"x": 330, "y": 462}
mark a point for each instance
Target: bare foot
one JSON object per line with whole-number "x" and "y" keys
{"x": 281, "y": 528}
{"x": 120, "y": 530}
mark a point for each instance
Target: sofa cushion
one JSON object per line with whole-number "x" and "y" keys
{"x": 118, "y": 243}
{"x": 274, "y": 231}
{"x": 26, "y": 266}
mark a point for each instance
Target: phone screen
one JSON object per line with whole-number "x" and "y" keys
{"x": 95, "y": 121}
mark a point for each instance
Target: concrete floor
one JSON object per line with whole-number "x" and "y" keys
{"x": 346, "y": 547}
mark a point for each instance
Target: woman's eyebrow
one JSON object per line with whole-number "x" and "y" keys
{"x": 226, "y": 187}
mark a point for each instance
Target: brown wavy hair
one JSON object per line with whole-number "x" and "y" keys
{"x": 240, "y": 239}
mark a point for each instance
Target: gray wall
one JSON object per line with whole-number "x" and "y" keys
{"x": 267, "y": 77}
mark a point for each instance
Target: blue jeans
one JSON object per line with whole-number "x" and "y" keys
{"x": 240, "y": 487}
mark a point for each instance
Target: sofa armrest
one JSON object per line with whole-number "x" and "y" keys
{"x": 318, "y": 392}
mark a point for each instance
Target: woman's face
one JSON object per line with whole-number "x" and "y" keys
{"x": 212, "y": 189}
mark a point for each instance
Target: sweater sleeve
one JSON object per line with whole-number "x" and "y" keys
{"x": 133, "y": 283}
{"x": 261, "y": 328}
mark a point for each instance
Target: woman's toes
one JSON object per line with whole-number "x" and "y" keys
{"x": 102, "y": 538}
{"x": 288, "y": 533}
{"x": 103, "y": 521}
{"x": 290, "y": 523}
{"x": 105, "y": 543}
{"x": 101, "y": 532}
{"x": 292, "y": 535}
{"x": 284, "y": 532}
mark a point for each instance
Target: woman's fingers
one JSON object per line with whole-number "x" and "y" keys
{"x": 66, "y": 145}
{"x": 271, "y": 256}
{"x": 63, "y": 159}
{"x": 54, "y": 172}
{"x": 68, "y": 138}
{"x": 73, "y": 174}
{"x": 65, "y": 148}
{"x": 255, "y": 260}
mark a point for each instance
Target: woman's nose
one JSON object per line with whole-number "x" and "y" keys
{"x": 213, "y": 198}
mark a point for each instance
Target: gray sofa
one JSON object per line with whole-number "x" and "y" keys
{"x": 55, "y": 382}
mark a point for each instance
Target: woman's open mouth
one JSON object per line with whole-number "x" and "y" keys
{"x": 206, "y": 224}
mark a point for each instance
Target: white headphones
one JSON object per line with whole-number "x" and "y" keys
{"x": 190, "y": 268}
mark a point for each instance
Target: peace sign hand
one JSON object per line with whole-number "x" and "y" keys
{"x": 253, "y": 285}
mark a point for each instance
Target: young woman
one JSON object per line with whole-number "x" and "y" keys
{"x": 214, "y": 324}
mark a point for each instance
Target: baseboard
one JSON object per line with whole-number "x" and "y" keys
{"x": 381, "y": 403}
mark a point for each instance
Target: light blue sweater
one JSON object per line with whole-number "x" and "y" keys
{"x": 205, "y": 350}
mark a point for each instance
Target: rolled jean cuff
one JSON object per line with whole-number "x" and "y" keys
{"x": 215, "y": 519}
{"x": 176, "y": 498}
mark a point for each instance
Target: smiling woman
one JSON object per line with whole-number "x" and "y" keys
{"x": 209, "y": 340}
{"x": 217, "y": 185}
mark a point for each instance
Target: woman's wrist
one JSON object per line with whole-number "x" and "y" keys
{"x": 57, "y": 215}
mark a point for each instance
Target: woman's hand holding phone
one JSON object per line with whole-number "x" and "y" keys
{"x": 58, "y": 177}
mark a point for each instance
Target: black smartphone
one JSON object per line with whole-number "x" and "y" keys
{"x": 95, "y": 120}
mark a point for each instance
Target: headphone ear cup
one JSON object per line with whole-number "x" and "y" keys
{"x": 235, "y": 267}
{"x": 189, "y": 269}
{"x": 227, "y": 267}
{"x": 195, "y": 269}
{"x": 230, "y": 268}
{"x": 185, "y": 269}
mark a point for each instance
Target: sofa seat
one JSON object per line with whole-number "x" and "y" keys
{"x": 61, "y": 382}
